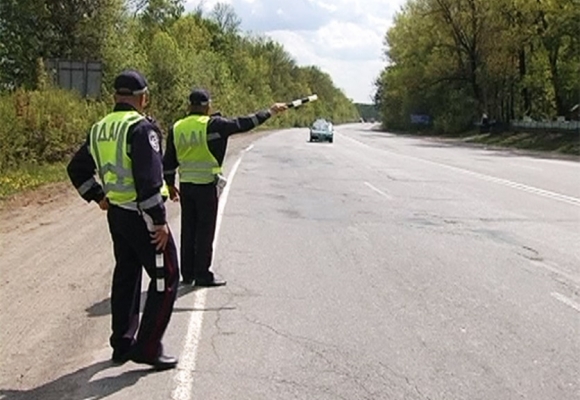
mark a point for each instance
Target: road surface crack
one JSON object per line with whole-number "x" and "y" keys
{"x": 343, "y": 369}
{"x": 405, "y": 378}
{"x": 219, "y": 331}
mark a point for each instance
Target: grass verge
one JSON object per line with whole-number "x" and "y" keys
{"x": 30, "y": 177}
{"x": 565, "y": 142}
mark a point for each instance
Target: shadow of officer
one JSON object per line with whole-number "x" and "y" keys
{"x": 78, "y": 385}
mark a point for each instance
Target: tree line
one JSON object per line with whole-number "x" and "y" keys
{"x": 455, "y": 60}
{"x": 175, "y": 49}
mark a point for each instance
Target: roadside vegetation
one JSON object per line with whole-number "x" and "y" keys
{"x": 175, "y": 49}
{"x": 453, "y": 61}
{"x": 368, "y": 112}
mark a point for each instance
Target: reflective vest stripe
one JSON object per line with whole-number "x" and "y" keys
{"x": 132, "y": 206}
{"x": 117, "y": 187}
{"x": 86, "y": 186}
{"x": 197, "y": 177}
{"x": 95, "y": 151}
{"x": 151, "y": 202}
{"x": 202, "y": 165}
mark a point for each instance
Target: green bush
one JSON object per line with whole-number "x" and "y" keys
{"x": 43, "y": 126}
{"x": 175, "y": 51}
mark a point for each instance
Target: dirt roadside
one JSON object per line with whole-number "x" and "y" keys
{"x": 55, "y": 271}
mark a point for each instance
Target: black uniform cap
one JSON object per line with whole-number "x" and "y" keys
{"x": 130, "y": 83}
{"x": 199, "y": 97}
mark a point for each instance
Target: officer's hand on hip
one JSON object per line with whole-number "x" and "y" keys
{"x": 173, "y": 193}
{"x": 104, "y": 204}
{"x": 160, "y": 236}
{"x": 278, "y": 108}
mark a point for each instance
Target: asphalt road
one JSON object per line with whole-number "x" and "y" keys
{"x": 376, "y": 267}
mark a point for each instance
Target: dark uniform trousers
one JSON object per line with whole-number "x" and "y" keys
{"x": 199, "y": 207}
{"x": 133, "y": 250}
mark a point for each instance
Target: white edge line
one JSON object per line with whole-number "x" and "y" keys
{"x": 514, "y": 185}
{"x": 379, "y": 191}
{"x": 566, "y": 300}
{"x": 250, "y": 147}
{"x": 186, "y": 366}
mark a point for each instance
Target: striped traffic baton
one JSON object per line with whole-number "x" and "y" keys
{"x": 304, "y": 100}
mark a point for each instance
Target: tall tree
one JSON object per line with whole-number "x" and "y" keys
{"x": 454, "y": 59}
{"x": 226, "y": 17}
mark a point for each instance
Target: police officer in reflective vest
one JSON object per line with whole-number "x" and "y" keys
{"x": 124, "y": 149}
{"x": 196, "y": 145}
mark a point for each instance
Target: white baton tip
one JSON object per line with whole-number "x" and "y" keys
{"x": 313, "y": 97}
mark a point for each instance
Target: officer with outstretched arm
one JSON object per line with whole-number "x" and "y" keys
{"x": 196, "y": 145}
{"x": 124, "y": 149}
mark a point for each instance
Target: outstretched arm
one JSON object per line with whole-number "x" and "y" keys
{"x": 230, "y": 126}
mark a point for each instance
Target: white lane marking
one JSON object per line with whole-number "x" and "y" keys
{"x": 250, "y": 147}
{"x": 530, "y": 189}
{"x": 379, "y": 191}
{"x": 514, "y": 185}
{"x": 557, "y": 271}
{"x": 186, "y": 366}
{"x": 566, "y": 300}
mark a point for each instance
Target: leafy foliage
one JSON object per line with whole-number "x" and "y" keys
{"x": 457, "y": 59}
{"x": 45, "y": 126}
{"x": 176, "y": 51}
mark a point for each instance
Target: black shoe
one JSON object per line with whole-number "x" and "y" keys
{"x": 120, "y": 356}
{"x": 212, "y": 283}
{"x": 187, "y": 281}
{"x": 160, "y": 363}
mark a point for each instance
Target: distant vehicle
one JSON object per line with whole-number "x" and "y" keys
{"x": 321, "y": 130}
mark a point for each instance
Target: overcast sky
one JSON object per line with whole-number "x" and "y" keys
{"x": 343, "y": 37}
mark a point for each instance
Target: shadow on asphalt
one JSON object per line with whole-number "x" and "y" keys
{"x": 78, "y": 385}
{"x": 103, "y": 307}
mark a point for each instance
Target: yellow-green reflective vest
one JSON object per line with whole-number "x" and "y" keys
{"x": 196, "y": 162}
{"x": 108, "y": 146}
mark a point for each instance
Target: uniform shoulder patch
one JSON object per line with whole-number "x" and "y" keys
{"x": 154, "y": 141}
